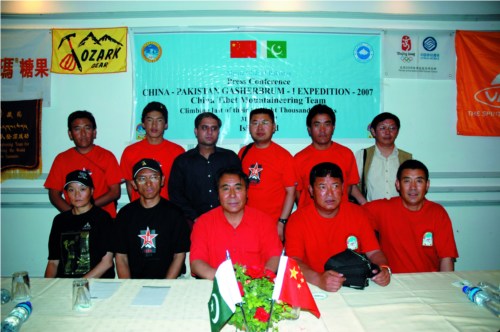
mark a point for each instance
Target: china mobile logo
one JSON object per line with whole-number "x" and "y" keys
{"x": 406, "y": 43}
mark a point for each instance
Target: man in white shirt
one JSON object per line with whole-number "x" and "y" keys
{"x": 378, "y": 164}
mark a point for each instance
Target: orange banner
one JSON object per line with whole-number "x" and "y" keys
{"x": 478, "y": 83}
{"x": 89, "y": 51}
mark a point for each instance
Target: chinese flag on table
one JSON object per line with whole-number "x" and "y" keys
{"x": 290, "y": 286}
{"x": 243, "y": 48}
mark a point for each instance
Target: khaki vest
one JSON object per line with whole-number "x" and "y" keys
{"x": 370, "y": 152}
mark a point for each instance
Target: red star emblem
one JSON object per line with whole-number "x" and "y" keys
{"x": 148, "y": 239}
{"x": 254, "y": 171}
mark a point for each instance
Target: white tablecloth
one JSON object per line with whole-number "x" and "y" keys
{"x": 412, "y": 302}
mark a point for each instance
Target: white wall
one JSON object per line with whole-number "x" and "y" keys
{"x": 465, "y": 176}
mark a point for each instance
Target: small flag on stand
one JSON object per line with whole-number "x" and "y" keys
{"x": 225, "y": 296}
{"x": 290, "y": 286}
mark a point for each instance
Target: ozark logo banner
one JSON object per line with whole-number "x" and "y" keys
{"x": 89, "y": 51}
{"x": 478, "y": 83}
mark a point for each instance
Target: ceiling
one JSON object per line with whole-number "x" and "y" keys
{"x": 426, "y": 10}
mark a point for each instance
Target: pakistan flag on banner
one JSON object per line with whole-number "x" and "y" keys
{"x": 276, "y": 49}
{"x": 225, "y": 296}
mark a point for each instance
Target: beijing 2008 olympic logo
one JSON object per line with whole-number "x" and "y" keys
{"x": 151, "y": 51}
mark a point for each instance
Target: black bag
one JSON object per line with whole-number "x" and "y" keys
{"x": 355, "y": 267}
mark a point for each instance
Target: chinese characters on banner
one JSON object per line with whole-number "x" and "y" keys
{"x": 26, "y": 65}
{"x": 232, "y": 73}
{"x": 478, "y": 83}
{"x": 89, "y": 51}
{"x": 419, "y": 54}
{"x": 21, "y": 139}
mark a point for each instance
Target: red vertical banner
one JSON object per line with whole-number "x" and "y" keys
{"x": 478, "y": 83}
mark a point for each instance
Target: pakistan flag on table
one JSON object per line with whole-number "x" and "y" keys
{"x": 225, "y": 296}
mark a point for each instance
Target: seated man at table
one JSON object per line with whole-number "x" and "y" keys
{"x": 79, "y": 238}
{"x": 247, "y": 234}
{"x": 152, "y": 236}
{"x": 318, "y": 231}
{"x": 416, "y": 234}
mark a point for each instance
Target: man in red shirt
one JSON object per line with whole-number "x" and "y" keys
{"x": 153, "y": 146}
{"x": 329, "y": 226}
{"x": 320, "y": 123}
{"x": 248, "y": 235}
{"x": 415, "y": 234}
{"x": 270, "y": 170}
{"x": 100, "y": 163}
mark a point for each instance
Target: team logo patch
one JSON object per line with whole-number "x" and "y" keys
{"x": 254, "y": 173}
{"x": 151, "y": 51}
{"x": 352, "y": 242}
{"x": 427, "y": 239}
{"x": 148, "y": 239}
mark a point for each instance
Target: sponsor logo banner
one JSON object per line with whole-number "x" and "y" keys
{"x": 26, "y": 65}
{"x": 419, "y": 54}
{"x": 478, "y": 83}
{"x": 89, "y": 51}
{"x": 232, "y": 73}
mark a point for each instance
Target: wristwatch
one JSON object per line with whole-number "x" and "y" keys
{"x": 283, "y": 221}
{"x": 387, "y": 267}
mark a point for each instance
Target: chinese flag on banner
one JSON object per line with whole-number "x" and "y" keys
{"x": 243, "y": 48}
{"x": 478, "y": 83}
{"x": 290, "y": 286}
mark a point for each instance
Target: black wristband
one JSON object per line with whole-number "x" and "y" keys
{"x": 283, "y": 221}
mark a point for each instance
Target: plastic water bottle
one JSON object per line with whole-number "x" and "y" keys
{"x": 5, "y": 295}
{"x": 483, "y": 299}
{"x": 490, "y": 289}
{"x": 16, "y": 318}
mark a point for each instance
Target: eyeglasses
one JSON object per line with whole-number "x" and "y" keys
{"x": 263, "y": 122}
{"x": 390, "y": 128}
{"x": 143, "y": 179}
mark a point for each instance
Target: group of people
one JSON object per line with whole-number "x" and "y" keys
{"x": 210, "y": 201}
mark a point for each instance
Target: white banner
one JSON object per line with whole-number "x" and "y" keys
{"x": 419, "y": 54}
{"x": 26, "y": 58}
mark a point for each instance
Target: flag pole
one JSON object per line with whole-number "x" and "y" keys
{"x": 240, "y": 305}
{"x": 244, "y": 317}
{"x": 272, "y": 300}
{"x": 270, "y": 315}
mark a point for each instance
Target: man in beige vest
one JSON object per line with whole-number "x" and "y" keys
{"x": 378, "y": 164}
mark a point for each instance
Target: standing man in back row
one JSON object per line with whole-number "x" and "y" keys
{"x": 192, "y": 184}
{"x": 100, "y": 163}
{"x": 154, "y": 146}
{"x": 270, "y": 170}
{"x": 378, "y": 164}
{"x": 320, "y": 123}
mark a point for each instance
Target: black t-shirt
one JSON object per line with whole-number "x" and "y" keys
{"x": 80, "y": 241}
{"x": 150, "y": 237}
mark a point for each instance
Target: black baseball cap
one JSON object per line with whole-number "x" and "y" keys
{"x": 79, "y": 176}
{"x": 146, "y": 163}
